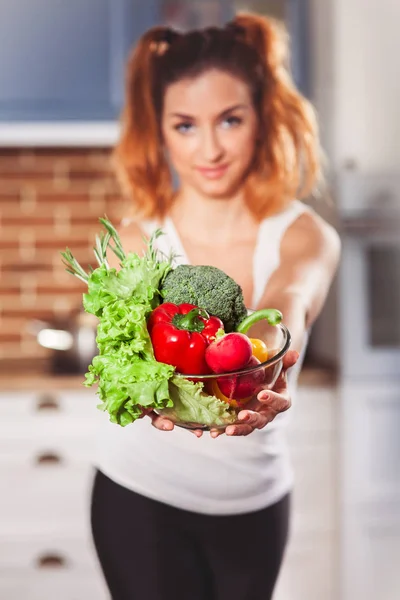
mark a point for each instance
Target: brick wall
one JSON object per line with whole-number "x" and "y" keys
{"x": 49, "y": 199}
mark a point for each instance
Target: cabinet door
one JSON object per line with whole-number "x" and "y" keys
{"x": 370, "y": 444}
{"x": 65, "y": 60}
{"x": 370, "y": 491}
{"x": 370, "y": 556}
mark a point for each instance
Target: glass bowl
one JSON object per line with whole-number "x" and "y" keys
{"x": 237, "y": 389}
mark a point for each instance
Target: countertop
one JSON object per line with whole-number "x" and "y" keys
{"x": 19, "y": 381}
{"x": 41, "y": 382}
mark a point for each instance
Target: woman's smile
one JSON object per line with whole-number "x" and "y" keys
{"x": 216, "y": 172}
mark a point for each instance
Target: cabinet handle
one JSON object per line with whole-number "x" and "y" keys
{"x": 48, "y": 458}
{"x": 51, "y": 560}
{"x": 47, "y": 402}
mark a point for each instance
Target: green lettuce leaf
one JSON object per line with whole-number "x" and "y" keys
{"x": 191, "y": 404}
{"x": 123, "y": 321}
{"x": 127, "y": 382}
{"x": 125, "y": 370}
{"x": 138, "y": 278}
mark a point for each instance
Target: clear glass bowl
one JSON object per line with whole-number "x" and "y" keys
{"x": 238, "y": 389}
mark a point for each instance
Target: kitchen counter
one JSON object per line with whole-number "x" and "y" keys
{"x": 309, "y": 377}
{"x": 40, "y": 382}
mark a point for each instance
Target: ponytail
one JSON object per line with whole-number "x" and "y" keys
{"x": 139, "y": 161}
{"x": 287, "y": 160}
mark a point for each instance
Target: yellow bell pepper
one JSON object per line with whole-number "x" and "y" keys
{"x": 260, "y": 349}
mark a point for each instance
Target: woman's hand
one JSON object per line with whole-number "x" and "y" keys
{"x": 164, "y": 424}
{"x": 158, "y": 421}
{"x": 270, "y": 403}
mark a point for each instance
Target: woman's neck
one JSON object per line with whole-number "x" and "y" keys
{"x": 209, "y": 219}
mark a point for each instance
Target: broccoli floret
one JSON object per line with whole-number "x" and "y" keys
{"x": 209, "y": 288}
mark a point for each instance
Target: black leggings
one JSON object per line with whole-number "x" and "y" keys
{"x": 151, "y": 551}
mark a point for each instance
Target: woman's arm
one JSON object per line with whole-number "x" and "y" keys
{"x": 310, "y": 252}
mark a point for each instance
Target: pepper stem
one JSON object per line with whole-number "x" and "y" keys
{"x": 271, "y": 315}
{"x": 191, "y": 321}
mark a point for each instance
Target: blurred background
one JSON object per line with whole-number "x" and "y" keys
{"x": 61, "y": 89}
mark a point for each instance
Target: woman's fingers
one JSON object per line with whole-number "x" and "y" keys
{"x": 197, "y": 432}
{"x": 145, "y": 412}
{"x": 163, "y": 424}
{"x": 274, "y": 402}
{"x": 216, "y": 432}
{"x": 290, "y": 359}
{"x": 160, "y": 423}
{"x": 249, "y": 420}
{"x": 271, "y": 403}
{"x": 256, "y": 419}
{"x": 237, "y": 430}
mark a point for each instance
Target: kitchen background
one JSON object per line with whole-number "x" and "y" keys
{"x": 61, "y": 76}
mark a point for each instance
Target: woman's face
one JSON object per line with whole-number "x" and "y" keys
{"x": 209, "y": 127}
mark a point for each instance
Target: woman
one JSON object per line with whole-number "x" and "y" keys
{"x": 175, "y": 517}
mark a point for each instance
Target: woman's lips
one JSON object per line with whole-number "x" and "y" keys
{"x": 213, "y": 172}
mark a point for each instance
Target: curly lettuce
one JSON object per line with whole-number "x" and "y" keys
{"x": 125, "y": 370}
{"x": 128, "y": 382}
{"x": 192, "y": 405}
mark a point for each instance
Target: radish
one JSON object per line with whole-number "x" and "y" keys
{"x": 230, "y": 352}
{"x": 242, "y": 386}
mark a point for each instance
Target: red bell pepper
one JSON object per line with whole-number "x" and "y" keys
{"x": 180, "y": 335}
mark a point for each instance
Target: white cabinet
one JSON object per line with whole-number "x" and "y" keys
{"x": 370, "y": 443}
{"x": 370, "y": 555}
{"x": 32, "y": 566}
{"x": 47, "y": 443}
{"x": 370, "y": 491}
{"x": 309, "y": 570}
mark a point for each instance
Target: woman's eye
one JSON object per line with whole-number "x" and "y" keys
{"x": 184, "y": 127}
{"x": 231, "y": 122}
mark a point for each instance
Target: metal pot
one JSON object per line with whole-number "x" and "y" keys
{"x": 72, "y": 340}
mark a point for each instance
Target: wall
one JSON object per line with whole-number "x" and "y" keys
{"x": 49, "y": 199}
{"x": 355, "y": 61}
{"x": 355, "y": 65}
{"x": 367, "y": 92}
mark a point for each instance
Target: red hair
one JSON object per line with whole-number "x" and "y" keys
{"x": 255, "y": 49}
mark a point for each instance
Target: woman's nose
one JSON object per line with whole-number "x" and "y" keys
{"x": 212, "y": 149}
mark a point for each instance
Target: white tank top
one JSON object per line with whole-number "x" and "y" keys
{"x": 226, "y": 475}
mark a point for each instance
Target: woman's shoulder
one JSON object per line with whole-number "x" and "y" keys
{"x": 311, "y": 234}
